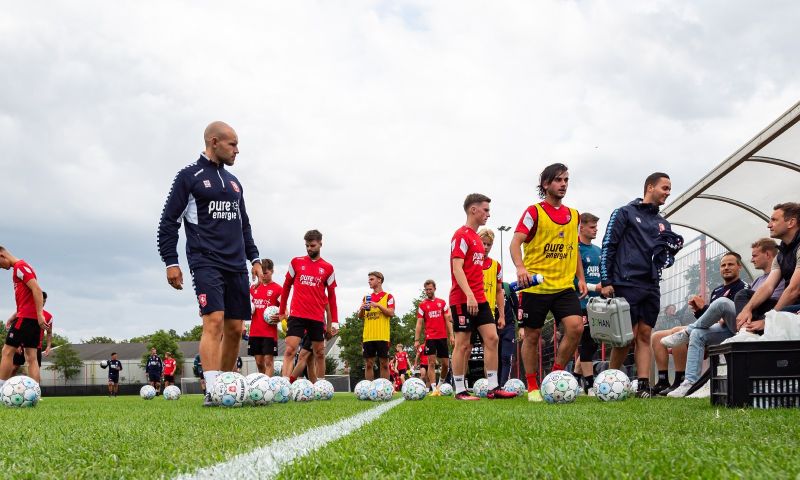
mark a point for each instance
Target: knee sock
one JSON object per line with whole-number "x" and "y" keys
{"x": 588, "y": 382}
{"x": 533, "y": 384}
{"x": 460, "y": 387}
{"x": 663, "y": 378}
{"x": 210, "y": 376}
{"x": 679, "y": 376}
{"x": 491, "y": 376}
{"x": 644, "y": 384}
{"x": 557, "y": 366}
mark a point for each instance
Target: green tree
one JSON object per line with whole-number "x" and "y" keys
{"x": 66, "y": 362}
{"x": 139, "y": 339}
{"x": 59, "y": 340}
{"x": 99, "y": 340}
{"x": 192, "y": 335}
{"x": 164, "y": 341}
{"x": 330, "y": 366}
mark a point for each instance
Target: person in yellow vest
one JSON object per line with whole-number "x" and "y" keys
{"x": 547, "y": 233}
{"x": 376, "y": 310}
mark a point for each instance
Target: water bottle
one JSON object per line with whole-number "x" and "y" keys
{"x": 366, "y": 302}
{"x": 536, "y": 279}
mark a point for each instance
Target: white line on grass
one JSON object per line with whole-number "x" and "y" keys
{"x": 267, "y": 461}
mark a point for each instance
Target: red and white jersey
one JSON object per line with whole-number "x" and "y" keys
{"x": 264, "y": 296}
{"x": 169, "y": 366}
{"x": 466, "y": 244}
{"x": 48, "y": 319}
{"x": 402, "y": 360}
{"x": 423, "y": 359}
{"x": 309, "y": 280}
{"x": 432, "y": 312}
{"x": 26, "y": 307}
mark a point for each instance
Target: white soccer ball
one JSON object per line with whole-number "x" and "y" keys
{"x": 559, "y": 387}
{"x": 20, "y": 391}
{"x": 278, "y": 366}
{"x": 362, "y": 389}
{"x": 172, "y": 392}
{"x": 260, "y": 391}
{"x": 381, "y": 390}
{"x": 302, "y": 390}
{"x": 481, "y": 387}
{"x": 446, "y": 389}
{"x": 270, "y": 311}
{"x": 280, "y": 389}
{"x": 229, "y": 389}
{"x": 414, "y": 389}
{"x": 611, "y": 385}
{"x": 634, "y": 387}
{"x": 103, "y": 363}
{"x": 323, "y": 390}
{"x": 147, "y": 392}
{"x": 515, "y": 385}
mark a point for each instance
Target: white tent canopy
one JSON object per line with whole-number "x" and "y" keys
{"x": 732, "y": 203}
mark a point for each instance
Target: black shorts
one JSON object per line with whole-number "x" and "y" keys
{"x": 169, "y": 378}
{"x": 306, "y": 344}
{"x": 377, "y": 348}
{"x": 464, "y": 322}
{"x": 298, "y": 327}
{"x": 154, "y": 377}
{"x": 588, "y": 346}
{"x": 438, "y": 347}
{"x": 27, "y": 335}
{"x": 535, "y": 306}
{"x": 262, "y": 346}
{"x": 114, "y": 379}
{"x": 402, "y": 371}
{"x": 19, "y": 359}
{"x": 645, "y": 303}
{"x": 221, "y": 290}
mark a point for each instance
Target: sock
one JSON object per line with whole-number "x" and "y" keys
{"x": 679, "y": 376}
{"x": 292, "y": 379}
{"x": 662, "y": 377}
{"x": 460, "y": 387}
{"x": 588, "y": 382}
{"x": 557, "y": 366}
{"x": 533, "y": 384}
{"x": 210, "y": 376}
{"x": 644, "y": 384}
{"x": 491, "y": 375}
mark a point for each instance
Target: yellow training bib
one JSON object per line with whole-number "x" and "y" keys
{"x": 553, "y": 252}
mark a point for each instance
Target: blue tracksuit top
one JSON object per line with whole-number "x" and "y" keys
{"x": 590, "y": 256}
{"x": 218, "y": 233}
{"x": 632, "y": 236}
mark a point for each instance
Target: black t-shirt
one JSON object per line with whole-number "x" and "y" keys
{"x": 114, "y": 366}
{"x": 726, "y": 291}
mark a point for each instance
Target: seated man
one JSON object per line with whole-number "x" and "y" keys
{"x": 730, "y": 266}
{"x": 710, "y": 330}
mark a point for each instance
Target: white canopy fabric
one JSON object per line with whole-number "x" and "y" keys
{"x": 732, "y": 203}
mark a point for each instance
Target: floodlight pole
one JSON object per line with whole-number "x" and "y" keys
{"x": 502, "y": 228}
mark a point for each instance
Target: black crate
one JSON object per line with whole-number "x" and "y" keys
{"x": 756, "y": 374}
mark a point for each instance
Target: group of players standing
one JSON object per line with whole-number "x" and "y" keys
{"x": 210, "y": 202}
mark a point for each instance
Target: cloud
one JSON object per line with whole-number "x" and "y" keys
{"x": 369, "y": 121}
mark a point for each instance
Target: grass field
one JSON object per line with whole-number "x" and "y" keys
{"x": 98, "y": 437}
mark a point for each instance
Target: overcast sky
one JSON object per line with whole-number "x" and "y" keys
{"x": 369, "y": 121}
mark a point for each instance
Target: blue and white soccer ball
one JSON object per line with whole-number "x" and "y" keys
{"x": 515, "y": 386}
{"x": 280, "y": 389}
{"x": 270, "y": 311}
{"x": 633, "y": 387}
{"x": 147, "y": 392}
{"x": 559, "y": 387}
{"x": 481, "y": 387}
{"x": 323, "y": 390}
{"x": 362, "y": 389}
{"x": 229, "y": 390}
{"x": 252, "y": 380}
{"x": 254, "y": 377}
{"x": 172, "y": 392}
{"x": 611, "y": 385}
{"x": 22, "y": 391}
{"x": 260, "y": 391}
{"x": 414, "y": 389}
{"x": 381, "y": 390}
{"x": 446, "y": 389}
{"x": 302, "y": 390}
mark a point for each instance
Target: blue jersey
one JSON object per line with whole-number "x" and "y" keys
{"x": 114, "y": 366}
{"x": 590, "y": 256}
{"x": 211, "y": 202}
{"x": 154, "y": 365}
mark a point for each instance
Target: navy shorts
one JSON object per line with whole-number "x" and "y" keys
{"x": 154, "y": 377}
{"x": 220, "y": 290}
{"x": 645, "y": 303}
{"x": 113, "y": 379}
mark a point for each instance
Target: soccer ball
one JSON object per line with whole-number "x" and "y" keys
{"x": 280, "y": 389}
{"x": 634, "y": 387}
{"x": 446, "y": 389}
{"x": 302, "y": 390}
{"x": 362, "y": 389}
{"x": 260, "y": 391}
{"x": 278, "y": 366}
{"x": 560, "y": 387}
{"x": 20, "y": 391}
{"x": 611, "y": 385}
{"x": 229, "y": 390}
{"x": 481, "y": 387}
{"x": 414, "y": 389}
{"x": 514, "y": 385}
{"x": 381, "y": 390}
{"x": 323, "y": 390}
{"x": 270, "y": 311}
{"x": 172, "y": 392}
{"x": 254, "y": 377}
{"x": 147, "y": 392}
{"x": 103, "y": 363}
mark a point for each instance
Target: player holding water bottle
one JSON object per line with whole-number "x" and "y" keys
{"x": 547, "y": 233}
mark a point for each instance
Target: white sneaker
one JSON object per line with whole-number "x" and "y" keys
{"x": 702, "y": 392}
{"x": 591, "y": 393}
{"x": 677, "y": 338}
{"x": 681, "y": 391}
